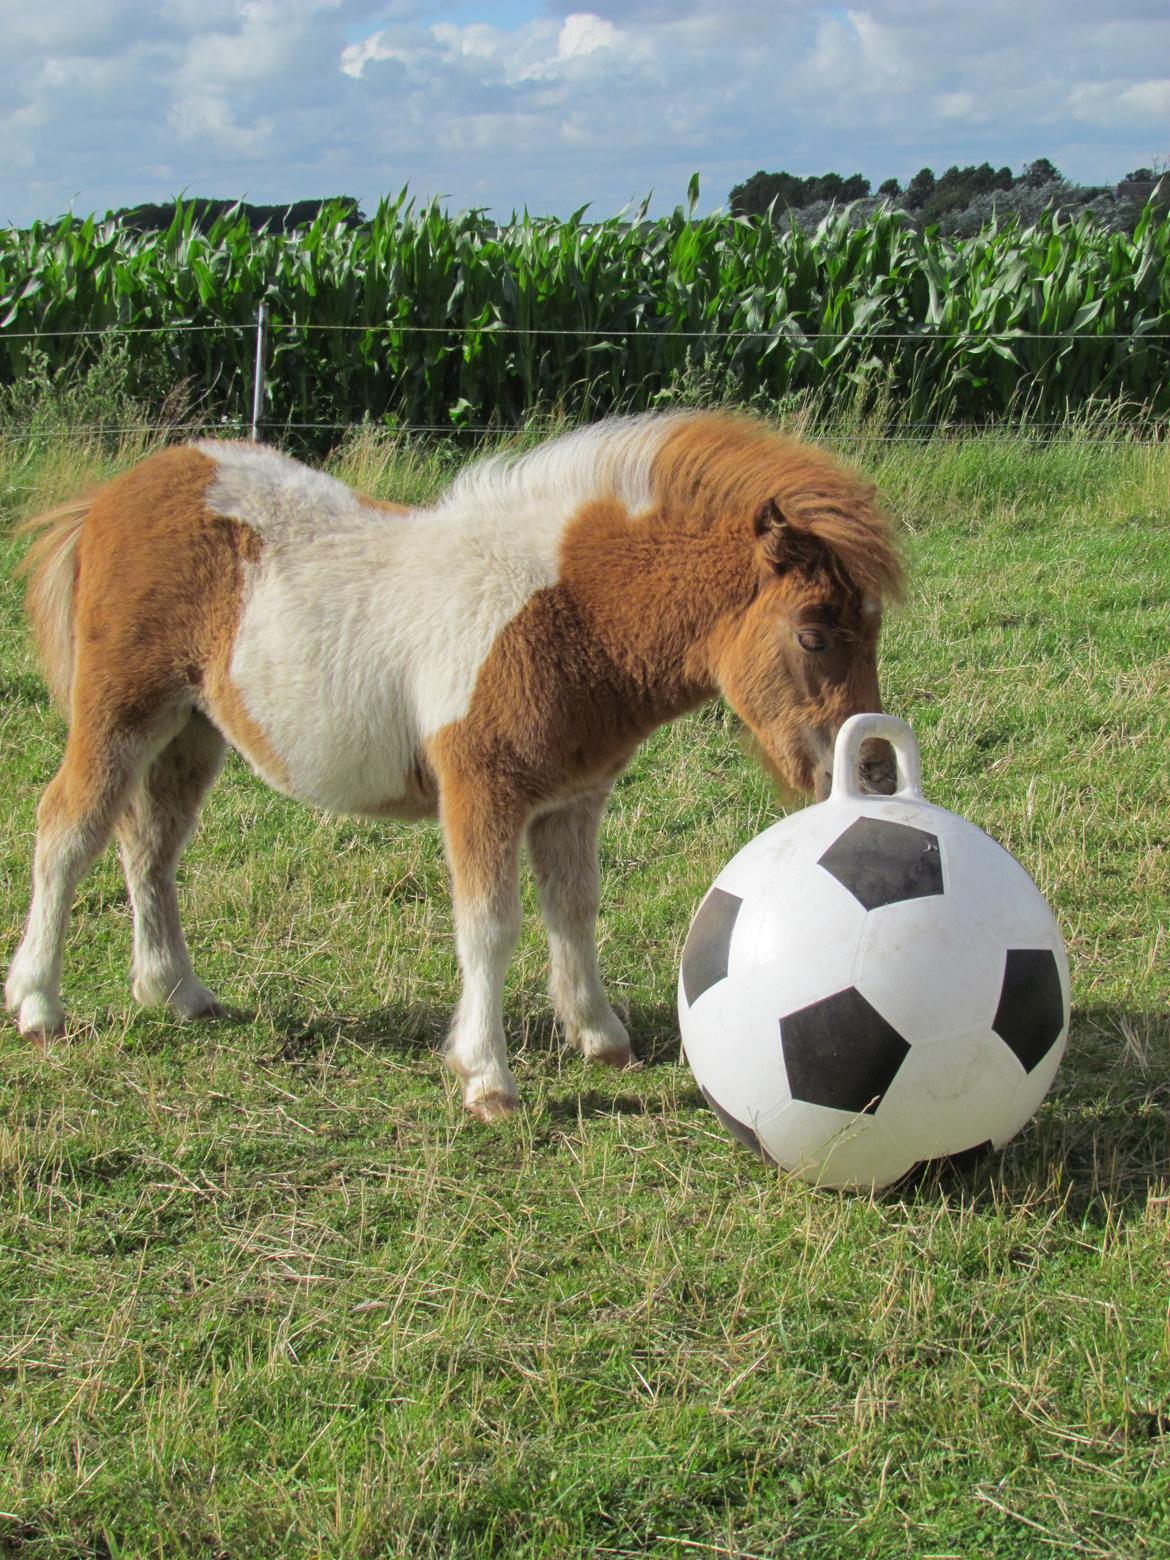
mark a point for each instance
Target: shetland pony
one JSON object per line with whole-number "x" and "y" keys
{"x": 494, "y": 659}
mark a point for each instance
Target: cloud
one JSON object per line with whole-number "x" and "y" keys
{"x": 479, "y": 52}
{"x": 556, "y": 103}
{"x": 1108, "y": 104}
{"x": 584, "y": 33}
{"x": 961, "y": 107}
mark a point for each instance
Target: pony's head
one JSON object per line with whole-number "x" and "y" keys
{"x": 802, "y": 656}
{"x": 795, "y": 651}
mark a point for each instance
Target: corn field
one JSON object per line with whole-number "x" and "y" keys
{"x": 430, "y": 320}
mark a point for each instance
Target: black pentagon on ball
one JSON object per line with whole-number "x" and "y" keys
{"x": 1030, "y": 1015}
{"x": 739, "y": 1130}
{"x": 841, "y": 1052}
{"x": 704, "y": 959}
{"x": 882, "y": 863}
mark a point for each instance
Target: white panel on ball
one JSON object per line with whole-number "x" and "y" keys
{"x": 734, "y": 1037}
{"x": 833, "y": 1148}
{"x": 930, "y": 967}
{"x": 952, "y": 1094}
{"x": 773, "y": 931}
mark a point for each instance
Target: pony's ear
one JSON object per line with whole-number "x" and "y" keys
{"x": 782, "y": 545}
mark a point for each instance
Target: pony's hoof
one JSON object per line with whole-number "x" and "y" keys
{"x": 208, "y": 1013}
{"x": 492, "y": 1107}
{"x": 188, "y": 998}
{"x": 619, "y": 1060}
{"x": 606, "y": 1043}
{"x": 41, "y": 1020}
{"x": 192, "y": 1002}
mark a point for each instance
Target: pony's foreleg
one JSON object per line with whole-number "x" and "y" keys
{"x": 482, "y": 837}
{"x": 156, "y": 824}
{"x": 74, "y": 820}
{"x": 562, "y": 846}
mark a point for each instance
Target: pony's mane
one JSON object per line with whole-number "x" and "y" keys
{"x": 699, "y": 466}
{"x": 610, "y": 459}
{"x": 721, "y": 464}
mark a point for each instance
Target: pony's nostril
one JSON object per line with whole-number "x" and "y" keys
{"x": 879, "y": 777}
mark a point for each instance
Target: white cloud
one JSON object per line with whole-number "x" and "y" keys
{"x": 476, "y": 42}
{"x": 957, "y": 105}
{"x": 555, "y": 103}
{"x": 584, "y": 33}
{"x": 65, "y": 25}
{"x": 1148, "y": 100}
{"x": 536, "y": 51}
{"x": 356, "y": 56}
{"x": 211, "y": 121}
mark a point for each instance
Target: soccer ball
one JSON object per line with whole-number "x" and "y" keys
{"x": 873, "y": 983}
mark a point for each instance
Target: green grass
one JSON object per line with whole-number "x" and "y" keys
{"x": 264, "y": 1291}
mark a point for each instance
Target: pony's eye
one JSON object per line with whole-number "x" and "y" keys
{"x": 812, "y": 640}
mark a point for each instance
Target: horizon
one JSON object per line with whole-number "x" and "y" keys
{"x": 365, "y": 211}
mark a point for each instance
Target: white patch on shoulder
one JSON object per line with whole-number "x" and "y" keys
{"x": 269, "y": 491}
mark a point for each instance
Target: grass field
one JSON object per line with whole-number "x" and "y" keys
{"x": 264, "y": 1291}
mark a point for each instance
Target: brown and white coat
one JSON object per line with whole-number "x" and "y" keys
{"x": 494, "y": 659}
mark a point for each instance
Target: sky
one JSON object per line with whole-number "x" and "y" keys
{"x": 552, "y": 104}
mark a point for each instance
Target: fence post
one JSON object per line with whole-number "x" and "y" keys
{"x": 258, "y": 377}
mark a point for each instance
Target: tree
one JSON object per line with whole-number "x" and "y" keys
{"x": 275, "y": 219}
{"x": 1040, "y": 172}
{"x": 855, "y": 187}
{"x": 788, "y": 191}
{"x": 958, "y": 187}
{"x": 920, "y": 188}
{"x": 753, "y": 197}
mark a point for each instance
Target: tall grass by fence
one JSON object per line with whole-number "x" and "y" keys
{"x": 433, "y": 320}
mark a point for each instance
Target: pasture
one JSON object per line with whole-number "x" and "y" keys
{"x": 265, "y": 1290}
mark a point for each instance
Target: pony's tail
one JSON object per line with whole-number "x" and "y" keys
{"x": 51, "y": 565}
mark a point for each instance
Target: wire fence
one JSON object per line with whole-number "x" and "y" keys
{"x": 609, "y": 333}
{"x": 1149, "y": 430}
{"x": 914, "y": 434}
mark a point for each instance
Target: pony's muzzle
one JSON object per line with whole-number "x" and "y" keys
{"x": 877, "y": 769}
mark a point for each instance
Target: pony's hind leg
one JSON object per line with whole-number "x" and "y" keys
{"x": 157, "y": 822}
{"x": 103, "y": 758}
{"x": 562, "y": 847}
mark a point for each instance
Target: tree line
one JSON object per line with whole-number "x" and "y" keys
{"x": 927, "y": 196}
{"x": 205, "y": 213}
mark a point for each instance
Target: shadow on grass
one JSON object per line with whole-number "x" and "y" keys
{"x": 403, "y": 1029}
{"x": 1100, "y": 1145}
{"x": 398, "y": 1029}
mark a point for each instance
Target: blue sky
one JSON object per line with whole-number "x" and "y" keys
{"x": 549, "y": 104}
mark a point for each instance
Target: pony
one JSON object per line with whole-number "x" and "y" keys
{"x": 493, "y": 659}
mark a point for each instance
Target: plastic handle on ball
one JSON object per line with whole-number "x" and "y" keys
{"x": 847, "y": 755}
